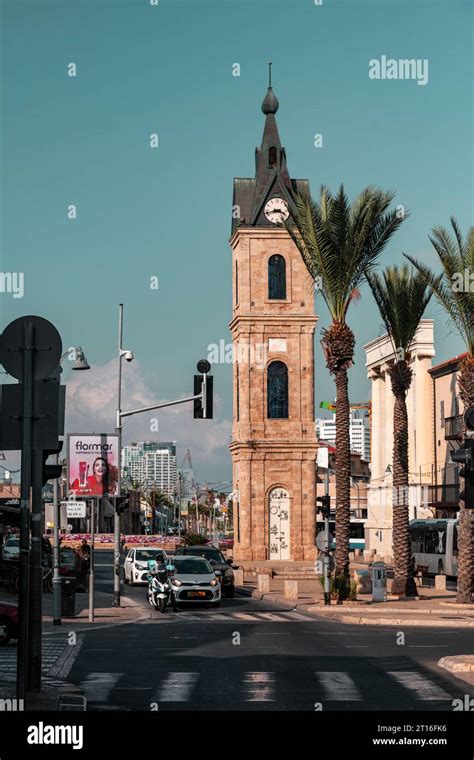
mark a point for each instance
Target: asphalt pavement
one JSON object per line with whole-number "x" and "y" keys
{"x": 260, "y": 655}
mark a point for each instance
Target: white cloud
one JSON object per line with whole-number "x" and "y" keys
{"x": 92, "y": 400}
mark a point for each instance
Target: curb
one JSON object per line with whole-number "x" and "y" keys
{"x": 460, "y": 663}
{"x": 68, "y": 695}
{"x": 86, "y": 627}
{"x": 415, "y": 622}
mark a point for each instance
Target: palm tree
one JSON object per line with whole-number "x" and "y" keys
{"x": 340, "y": 243}
{"x": 457, "y": 258}
{"x": 402, "y": 297}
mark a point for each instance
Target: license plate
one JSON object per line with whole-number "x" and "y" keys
{"x": 197, "y": 593}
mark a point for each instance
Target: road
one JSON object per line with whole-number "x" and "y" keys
{"x": 252, "y": 655}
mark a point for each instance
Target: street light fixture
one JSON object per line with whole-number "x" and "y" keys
{"x": 81, "y": 361}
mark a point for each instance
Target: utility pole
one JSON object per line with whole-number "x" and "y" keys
{"x": 118, "y": 430}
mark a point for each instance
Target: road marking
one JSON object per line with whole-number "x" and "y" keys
{"x": 338, "y": 686}
{"x": 244, "y": 616}
{"x": 97, "y": 686}
{"x": 259, "y": 686}
{"x": 177, "y": 687}
{"x": 424, "y": 689}
{"x": 272, "y": 617}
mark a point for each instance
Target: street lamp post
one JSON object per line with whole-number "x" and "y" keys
{"x": 80, "y": 363}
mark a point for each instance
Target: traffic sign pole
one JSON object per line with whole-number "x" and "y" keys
{"x": 91, "y": 566}
{"x": 327, "y": 589}
{"x": 26, "y": 456}
{"x": 56, "y": 553}
{"x": 36, "y": 577}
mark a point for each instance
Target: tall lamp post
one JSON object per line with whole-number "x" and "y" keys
{"x": 122, "y": 353}
{"x": 80, "y": 363}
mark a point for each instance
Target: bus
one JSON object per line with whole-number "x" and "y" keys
{"x": 434, "y": 545}
{"x": 356, "y": 536}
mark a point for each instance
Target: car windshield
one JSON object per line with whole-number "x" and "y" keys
{"x": 13, "y": 542}
{"x": 143, "y": 555}
{"x": 192, "y": 567}
{"x": 209, "y": 554}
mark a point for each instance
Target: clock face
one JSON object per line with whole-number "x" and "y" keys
{"x": 276, "y": 210}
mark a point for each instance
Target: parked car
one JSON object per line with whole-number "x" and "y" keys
{"x": 217, "y": 562}
{"x": 11, "y": 548}
{"x": 194, "y": 580}
{"x": 8, "y": 622}
{"x": 135, "y": 566}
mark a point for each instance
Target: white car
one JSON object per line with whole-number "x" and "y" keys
{"x": 11, "y": 548}
{"x": 135, "y": 566}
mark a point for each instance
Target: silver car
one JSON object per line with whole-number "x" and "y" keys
{"x": 194, "y": 580}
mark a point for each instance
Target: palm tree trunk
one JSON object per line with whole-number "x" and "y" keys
{"x": 466, "y": 516}
{"x": 343, "y": 474}
{"x": 403, "y": 582}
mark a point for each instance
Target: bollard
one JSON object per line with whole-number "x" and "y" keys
{"x": 239, "y": 576}
{"x": 263, "y": 583}
{"x": 440, "y": 582}
{"x": 290, "y": 589}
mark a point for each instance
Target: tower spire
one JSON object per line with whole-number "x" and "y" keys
{"x": 269, "y": 73}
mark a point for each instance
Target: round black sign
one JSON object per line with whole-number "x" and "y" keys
{"x": 46, "y": 343}
{"x": 203, "y": 366}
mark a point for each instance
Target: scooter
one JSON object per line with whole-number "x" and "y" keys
{"x": 159, "y": 592}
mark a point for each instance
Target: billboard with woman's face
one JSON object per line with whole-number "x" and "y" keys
{"x": 93, "y": 464}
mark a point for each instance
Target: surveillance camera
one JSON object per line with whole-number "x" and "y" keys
{"x": 127, "y": 355}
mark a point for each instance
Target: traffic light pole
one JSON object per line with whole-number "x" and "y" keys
{"x": 26, "y": 457}
{"x": 56, "y": 550}
{"x": 118, "y": 430}
{"x": 36, "y": 577}
{"x": 327, "y": 589}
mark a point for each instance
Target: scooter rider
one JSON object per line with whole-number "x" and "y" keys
{"x": 159, "y": 569}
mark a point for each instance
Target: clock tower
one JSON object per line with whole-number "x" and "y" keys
{"x": 273, "y": 435}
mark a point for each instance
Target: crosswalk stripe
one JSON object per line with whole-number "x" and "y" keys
{"x": 422, "y": 686}
{"x": 259, "y": 686}
{"x": 97, "y": 686}
{"x": 244, "y": 616}
{"x": 338, "y": 686}
{"x": 177, "y": 687}
{"x": 272, "y": 617}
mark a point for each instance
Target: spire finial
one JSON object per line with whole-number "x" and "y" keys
{"x": 270, "y": 102}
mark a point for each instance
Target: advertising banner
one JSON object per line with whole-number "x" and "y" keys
{"x": 93, "y": 462}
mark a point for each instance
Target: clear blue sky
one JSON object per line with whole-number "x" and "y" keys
{"x": 167, "y": 212}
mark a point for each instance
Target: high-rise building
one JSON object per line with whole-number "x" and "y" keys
{"x": 152, "y": 465}
{"x": 359, "y": 433}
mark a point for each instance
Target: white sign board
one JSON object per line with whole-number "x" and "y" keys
{"x": 75, "y": 509}
{"x": 323, "y": 457}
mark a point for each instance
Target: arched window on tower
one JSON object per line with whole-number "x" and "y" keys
{"x": 272, "y": 157}
{"x": 277, "y": 391}
{"x": 276, "y": 277}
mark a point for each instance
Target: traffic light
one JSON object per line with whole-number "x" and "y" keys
{"x": 325, "y": 502}
{"x": 199, "y": 412}
{"x": 465, "y": 456}
{"x": 122, "y": 503}
{"x": 51, "y": 471}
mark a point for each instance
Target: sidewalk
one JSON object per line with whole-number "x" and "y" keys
{"x": 432, "y": 608}
{"x": 58, "y": 655}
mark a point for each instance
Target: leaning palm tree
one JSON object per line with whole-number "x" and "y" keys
{"x": 402, "y": 297}
{"x": 340, "y": 243}
{"x": 453, "y": 291}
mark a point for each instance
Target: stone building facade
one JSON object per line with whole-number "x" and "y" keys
{"x": 273, "y": 437}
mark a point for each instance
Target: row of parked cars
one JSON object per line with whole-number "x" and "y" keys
{"x": 196, "y": 569}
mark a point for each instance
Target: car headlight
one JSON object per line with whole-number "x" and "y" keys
{"x": 140, "y": 566}
{"x": 176, "y": 582}
{"x": 214, "y": 582}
